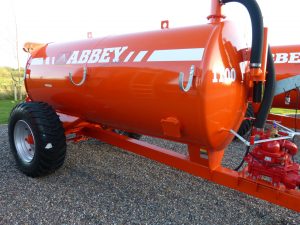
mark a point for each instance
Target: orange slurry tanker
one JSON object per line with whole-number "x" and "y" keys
{"x": 287, "y": 64}
{"x": 189, "y": 85}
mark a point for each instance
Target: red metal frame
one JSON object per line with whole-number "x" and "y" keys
{"x": 199, "y": 163}
{"x": 288, "y": 121}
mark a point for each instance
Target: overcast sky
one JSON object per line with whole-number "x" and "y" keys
{"x": 63, "y": 20}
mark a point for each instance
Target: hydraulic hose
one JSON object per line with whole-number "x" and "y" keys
{"x": 257, "y": 41}
{"x": 257, "y": 30}
{"x": 266, "y": 104}
{"x": 255, "y": 61}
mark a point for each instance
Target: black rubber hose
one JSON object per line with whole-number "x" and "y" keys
{"x": 257, "y": 30}
{"x": 257, "y": 91}
{"x": 270, "y": 84}
{"x": 257, "y": 41}
{"x": 243, "y": 160}
{"x": 255, "y": 61}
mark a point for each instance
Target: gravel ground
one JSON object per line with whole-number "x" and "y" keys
{"x": 101, "y": 184}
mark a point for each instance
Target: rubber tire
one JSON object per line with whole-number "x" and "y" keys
{"x": 46, "y": 128}
{"x": 246, "y": 124}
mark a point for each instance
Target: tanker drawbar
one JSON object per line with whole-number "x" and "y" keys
{"x": 190, "y": 85}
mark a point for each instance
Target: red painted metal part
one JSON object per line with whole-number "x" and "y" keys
{"x": 287, "y": 121}
{"x": 29, "y": 139}
{"x": 207, "y": 166}
{"x": 287, "y": 64}
{"x": 272, "y": 161}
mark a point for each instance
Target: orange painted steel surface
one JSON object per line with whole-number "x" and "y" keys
{"x": 287, "y": 64}
{"x": 198, "y": 166}
{"x": 132, "y": 82}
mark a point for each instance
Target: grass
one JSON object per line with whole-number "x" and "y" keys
{"x": 284, "y": 111}
{"x": 5, "y": 108}
{"x": 5, "y": 81}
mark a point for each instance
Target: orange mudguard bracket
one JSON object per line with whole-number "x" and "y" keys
{"x": 199, "y": 163}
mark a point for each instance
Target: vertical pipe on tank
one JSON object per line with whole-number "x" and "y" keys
{"x": 216, "y": 14}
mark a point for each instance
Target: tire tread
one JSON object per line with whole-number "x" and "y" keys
{"x": 47, "y": 128}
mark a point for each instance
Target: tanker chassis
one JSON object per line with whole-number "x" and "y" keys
{"x": 190, "y": 85}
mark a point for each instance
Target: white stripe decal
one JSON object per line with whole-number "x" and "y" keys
{"x": 129, "y": 56}
{"x": 37, "y": 61}
{"x": 187, "y": 54}
{"x": 47, "y": 61}
{"x": 140, "y": 56}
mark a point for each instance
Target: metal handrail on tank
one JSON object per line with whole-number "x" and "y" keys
{"x": 83, "y": 78}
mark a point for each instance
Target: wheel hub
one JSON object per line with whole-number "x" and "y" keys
{"x": 29, "y": 139}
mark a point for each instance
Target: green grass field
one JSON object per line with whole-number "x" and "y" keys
{"x": 7, "y": 83}
{"x": 284, "y": 111}
{"x": 5, "y": 80}
{"x": 5, "y": 108}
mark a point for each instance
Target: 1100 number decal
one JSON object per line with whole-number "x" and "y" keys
{"x": 228, "y": 75}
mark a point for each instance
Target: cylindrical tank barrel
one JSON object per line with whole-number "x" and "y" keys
{"x": 287, "y": 65}
{"x": 132, "y": 82}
